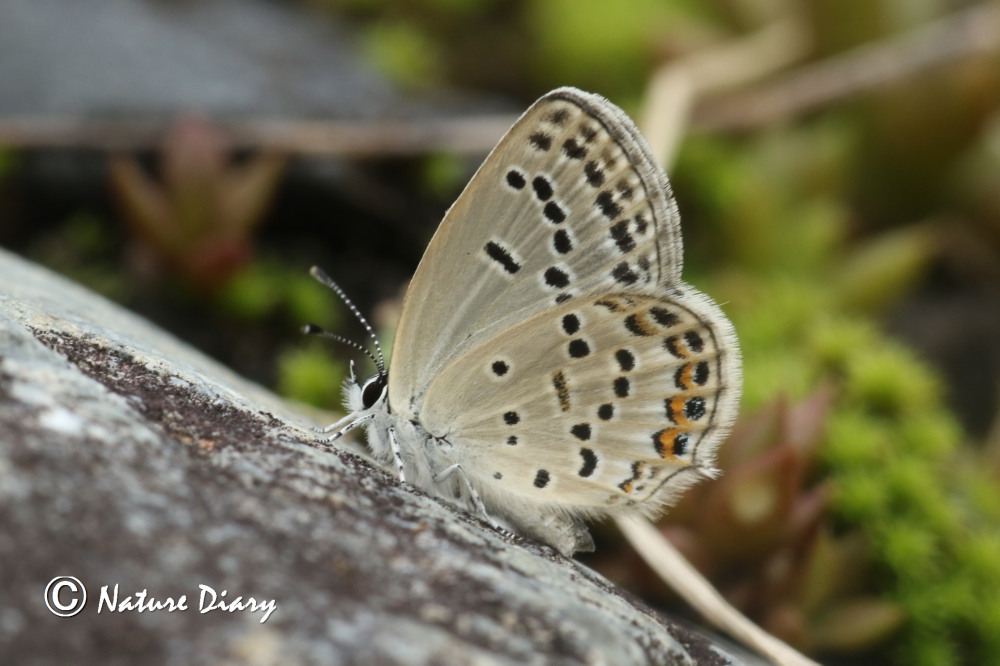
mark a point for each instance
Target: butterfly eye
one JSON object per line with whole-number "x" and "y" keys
{"x": 373, "y": 389}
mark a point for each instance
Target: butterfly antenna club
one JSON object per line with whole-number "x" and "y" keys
{"x": 320, "y": 275}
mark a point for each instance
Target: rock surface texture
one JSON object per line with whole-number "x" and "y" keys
{"x": 129, "y": 460}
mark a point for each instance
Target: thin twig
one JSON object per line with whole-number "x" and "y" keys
{"x": 683, "y": 578}
{"x": 354, "y": 139}
{"x": 969, "y": 32}
{"x": 676, "y": 85}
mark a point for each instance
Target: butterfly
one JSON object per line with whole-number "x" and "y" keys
{"x": 549, "y": 365}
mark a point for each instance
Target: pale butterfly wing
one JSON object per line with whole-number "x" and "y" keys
{"x": 603, "y": 402}
{"x": 569, "y": 202}
{"x": 547, "y": 343}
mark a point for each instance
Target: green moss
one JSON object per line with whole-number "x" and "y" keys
{"x": 918, "y": 493}
{"x": 773, "y": 375}
{"x": 908, "y": 548}
{"x": 404, "y": 52}
{"x": 443, "y": 174}
{"x": 982, "y": 498}
{"x": 860, "y": 496}
{"x": 308, "y": 301}
{"x": 892, "y": 450}
{"x": 927, "y": 435}
{"x": 834, "y": 342}
{"x": 880, "y": 271}
{"x": 308, "y": 374}
{"x": 253, "y": 292}
{"x": 596, "y": 44}
{"x": 889, "y": 380}
{"x": 929, "y": 649}
{"x": 856, "y": 440}
{"x": 979, "y": 558}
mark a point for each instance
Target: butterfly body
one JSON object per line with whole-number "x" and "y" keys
{"x": 549, "y": 359}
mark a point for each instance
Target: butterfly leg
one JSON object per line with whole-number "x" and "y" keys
{"x": 397, "y": 454}
{"x": 347, "y": 428}
{"x": 334, "y": 426}
{"x": 476, "y": 500}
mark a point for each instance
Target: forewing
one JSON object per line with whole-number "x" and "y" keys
{"x": 568, "y": 203}
{"x": 605, "y": 401}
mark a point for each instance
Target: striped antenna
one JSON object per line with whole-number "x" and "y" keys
{"x": 313, "y": 329}
{"x": 320, "y": 275}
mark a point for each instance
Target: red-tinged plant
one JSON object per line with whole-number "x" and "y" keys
{"x": 198, "y": 220}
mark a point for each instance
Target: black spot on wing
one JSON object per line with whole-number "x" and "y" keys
{"x": 625, "y": 358}
{"x": 694, "y": 342}
{"x": 541, "y": 478}
{"x": 606, "y": 202}
{"x": 556, "y": 277}
{"x": 502, "y": 256}
{"x": 561, "y": 241}
{"x": 701, "y": 373}
{"x": 641, "y": 224}
{"x": 574, "y": 150}
{"x": 559, "y": 117}
{"x": 542, "y": 187}
{"x": 589, "y": 463}
{"x": 594, "y": 174}
{"x": 681, "y": 444}
{"x": 554, "y": 213}
{"x": 663, "y": 316}
{"x": 578, "y": 348}
{"x": 516, "y": 179}
{"x": 621, "y": 236}
{"x": 694, "y": 408}
{"x": 541, "y": 141}
{"x": 626, "y": 191}
{"x": 623, "y": 274}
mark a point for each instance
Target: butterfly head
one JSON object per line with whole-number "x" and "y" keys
{"x": 361, "y": 395}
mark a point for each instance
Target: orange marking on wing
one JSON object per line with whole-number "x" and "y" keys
{"x": 666, "y": 443}
{"x": 562, "y": 390}
{"x": 638, "y": 324}
{"x": 626, "y": 485}
{"x": 675, "y": 410}
{"x": 676, "y": 346}
{"x": 684, "y": 377}
{"x": 611, "y": 303}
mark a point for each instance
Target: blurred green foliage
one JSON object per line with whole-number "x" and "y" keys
{"x": 805, "y": 300}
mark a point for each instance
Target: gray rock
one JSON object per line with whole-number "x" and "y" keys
{"x": 128, "y": 459}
